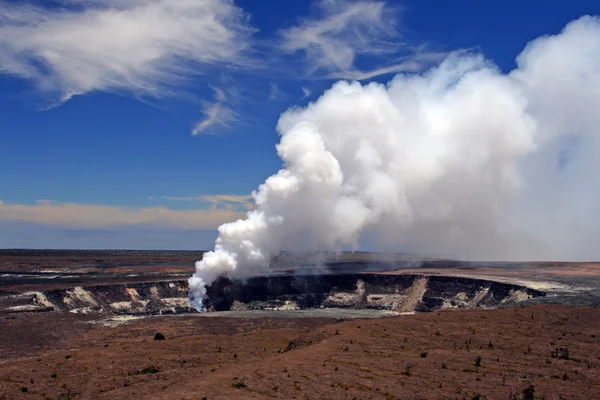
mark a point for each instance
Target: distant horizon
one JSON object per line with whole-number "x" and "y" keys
{"x": 423, "y": 258}
{"x": 189, "y": 250}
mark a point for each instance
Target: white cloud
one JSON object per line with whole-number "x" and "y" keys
{"x": 153, "y": 48}
{"x": 230, "y": 202}
{"x": 219, "y": 201}
{"x": 305, "y": 92}
{"x": 90, "y": 216}
{"x": 345, "y": 30}
{"x": 348, "y": 30}
{"x": 216, "y": 198}
{"x": 140, "y": 46}
{"x": 275, "y": 92}
{"x": 412, "y": 64}
{"x": 223, "y": 110}
{"x": 215, "y": 115}
{"x": 180, "y": 198}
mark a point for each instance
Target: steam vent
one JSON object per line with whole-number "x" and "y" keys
{"x": 400, "y": 293}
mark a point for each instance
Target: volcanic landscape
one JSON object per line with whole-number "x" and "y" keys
{"x": 83, "y": 324}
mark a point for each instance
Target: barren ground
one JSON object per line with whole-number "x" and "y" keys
{"x": 424, "y": 356}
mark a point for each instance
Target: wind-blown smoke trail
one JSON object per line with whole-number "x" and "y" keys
{"x": 462, "y": 161}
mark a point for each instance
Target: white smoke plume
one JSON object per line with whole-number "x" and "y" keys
{"x": 462, "y": 161}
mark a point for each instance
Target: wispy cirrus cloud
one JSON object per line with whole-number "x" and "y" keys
{"x": 345, "y": 31}
{"x": 138, "y": 46}
{"x": 223, "y": 110}
{"x": 305, "y": 92}
{"x": 91, "y": 216}
{"x": 159, "y": 48}
{"x": 216, "y": 115}
{"x": 275, "y": 92}
{"x": 412, "y": 63}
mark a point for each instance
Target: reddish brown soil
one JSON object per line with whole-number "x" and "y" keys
{"x": 425, "y": 356}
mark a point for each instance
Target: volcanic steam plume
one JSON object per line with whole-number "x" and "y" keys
{"x": 462, "y": 161}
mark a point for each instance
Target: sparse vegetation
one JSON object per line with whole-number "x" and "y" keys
{"x": 529, "y": 393}
{"x": 148, "y": 370}
{"x": 424, "y": 354}
{"x": 478, "y": 360}
{"x": 561, "y": 353}
{"x": 238, "y": 385}
{"x": 23, "y": 389}
{"x": 407, "y": 370}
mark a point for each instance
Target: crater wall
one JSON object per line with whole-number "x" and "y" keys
{"x": 401, "y": 293}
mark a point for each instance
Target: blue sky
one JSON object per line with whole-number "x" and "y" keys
{"x": 146, "y": 124}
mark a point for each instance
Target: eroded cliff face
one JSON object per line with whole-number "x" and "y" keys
{"x": 400, "y": 293}
{"x": 130, "y": 299}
